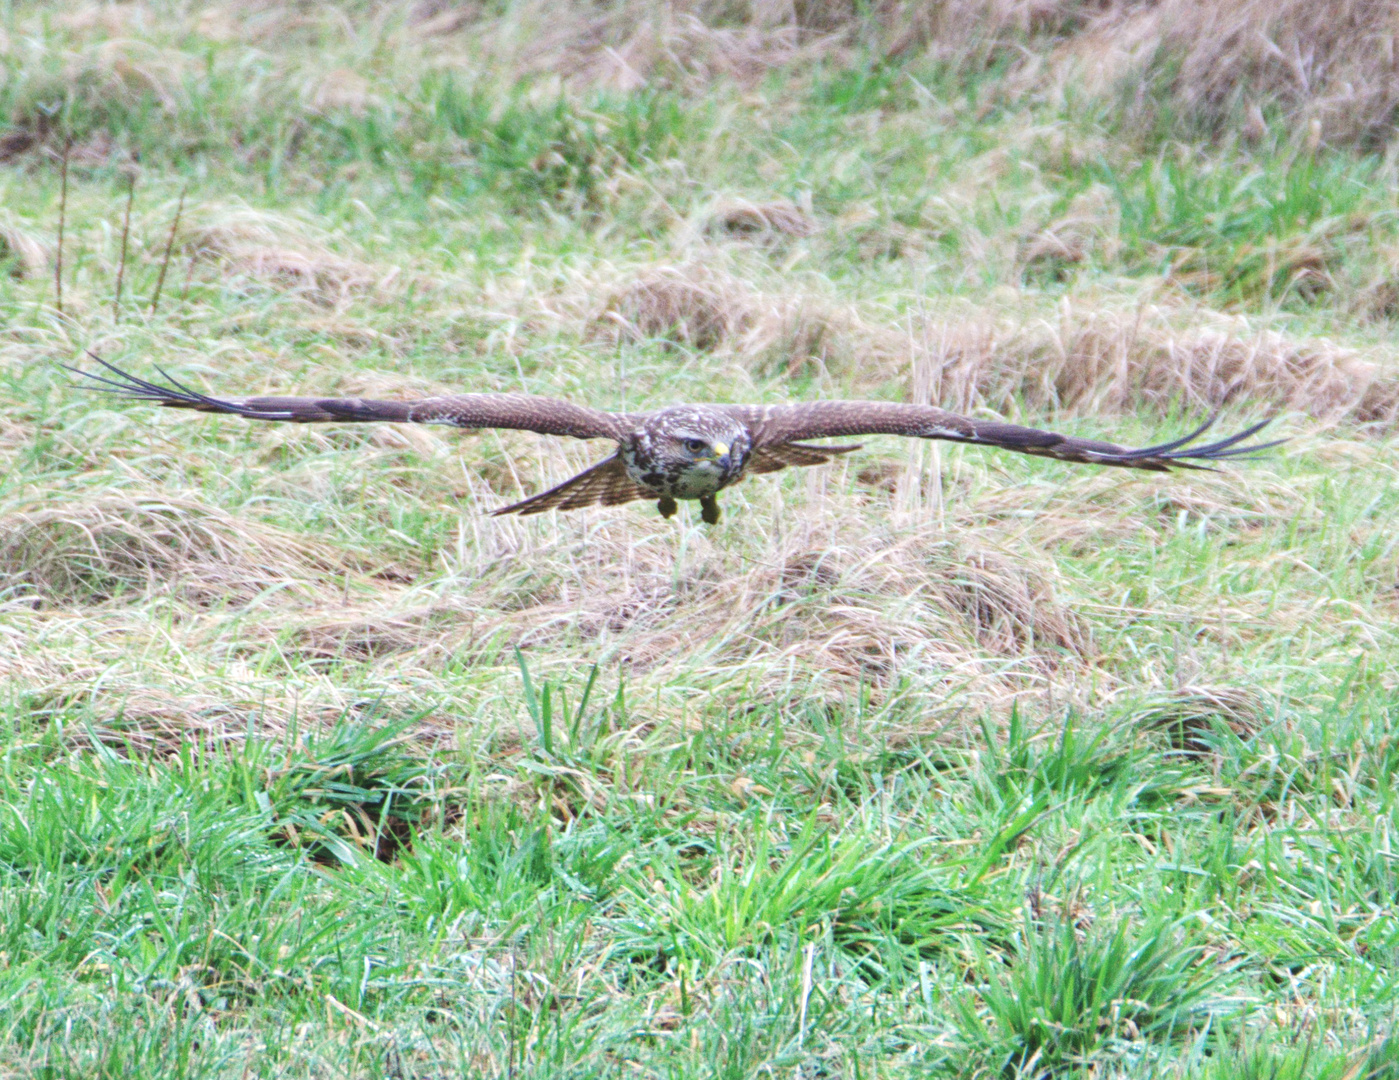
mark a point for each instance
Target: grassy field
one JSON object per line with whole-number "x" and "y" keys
{"x": 932, "y": 762}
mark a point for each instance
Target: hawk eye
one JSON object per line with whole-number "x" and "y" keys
{"x": 696, "y": 446}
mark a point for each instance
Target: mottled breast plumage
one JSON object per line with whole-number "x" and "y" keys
{"x": 686, "y": 452}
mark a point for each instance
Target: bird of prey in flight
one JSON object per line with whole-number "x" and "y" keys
{"x": 685, "y": 451}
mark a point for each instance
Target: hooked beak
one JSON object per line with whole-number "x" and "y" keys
{"x": 722, "y": 456}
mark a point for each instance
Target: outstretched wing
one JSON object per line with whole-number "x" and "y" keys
{"x": 605, "y": 484}
{"x": 780, "y": 425}
{"x": 525, "y": 412}
{"x": 766, "y": 459}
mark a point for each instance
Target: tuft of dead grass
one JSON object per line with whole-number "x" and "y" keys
{"x": 123, "y": 712}
{"x": 626, "y": 46}
{"x": 159, "y": 723}
{"x": 339, "y": 90}
{"x": 833, "y": 609}
{"x": 1376, "y": 294}
{"x": 1100, "y": 361}
{"x": 26, "y": 254}
{"x": 687, "y": 305}
{"x": 276, "y": 248}
{"x": 432, "y": 632}
{"x": 1189, "y": 715}
{"x": 1089, "y": 228}
{"x": 1092, "y": 359}
{"x": 129, "y": 547}
{"x": 701, "y": 306}
{"x": 741, "y": 218}
{"x": 1010, "y": 605}
{"x": 1332, "y": 68}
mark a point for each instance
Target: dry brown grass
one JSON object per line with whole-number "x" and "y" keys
{"x": 339, "y": 90}
{"x": 831, "y": 612}
{"x": 127, "y": 706}
{"x": 741, "y": 218}
{"x": 28, "y": 255}
{"x": 1217, "y": 62}
{"x": 1100, "y": 361}
{"x": 633, "y": 43}
{"x": 885, "y": 593}
{"x": 57, "y": 551}
{"x": 688, "y": 305}
{"x": 1331, "y": 68}
{"x": 1190, "y": 715}
{"x": 832, "y": 604}
{"x": 627, "y": 44}
{"x": 870, "y": 595}
{"x": 278, "y": 249}
{"x": 666, "y": 49}
{"x": 431, "y": 632}
{"x": 703, "y": 306}
{"x": 1088, "y": 228}
{"x": 144, "y": 716}
{"x": 1091, "y": 358}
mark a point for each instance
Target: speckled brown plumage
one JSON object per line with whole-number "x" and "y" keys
{"x": 685, "y": 451}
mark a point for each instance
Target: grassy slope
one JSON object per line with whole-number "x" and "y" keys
{"x": 932, "y": 760}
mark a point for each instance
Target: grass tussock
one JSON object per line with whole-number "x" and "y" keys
{"x": 1194, "y": 717}
{"x": 1102, "y": 361}
{"x": 274, "y": 249}
{"x": 750, "y": 220}
{"x": 1328, "y": 69}
{"x": 433, "y": 634}
{"x": 22, "y": 253}
{"x": 627, "y": 46}
{"x": 691, "y": 306}
{"x": 834, "y": 617}
{"x": 125, "y": 547}
{"x": 1084, "y": 360}
{"x": 707, "y": 309}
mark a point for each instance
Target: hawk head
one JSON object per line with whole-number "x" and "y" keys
{"x": 687, "y": 453}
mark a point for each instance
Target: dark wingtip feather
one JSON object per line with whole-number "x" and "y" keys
{"x": 1245, "y": 452}
{"x": 129, "y": 385}
{"x": 1165, "y": 449}
{"x": 1179, "y": 453}
{"x": 175, "y": 393}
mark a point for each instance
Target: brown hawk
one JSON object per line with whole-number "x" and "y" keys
{"x": 685, "y": 451}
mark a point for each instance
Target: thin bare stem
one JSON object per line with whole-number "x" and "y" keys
{"x": 62, "y": 221}
{"x": 169, "y": 247}
{"x": 125, "y": 232}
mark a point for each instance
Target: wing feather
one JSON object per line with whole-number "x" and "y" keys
{"x": 782, "y": 425}
{"x": 524, "y": 412}
{"x": 605, "y": 484}
{"x": 766, "y": 459}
